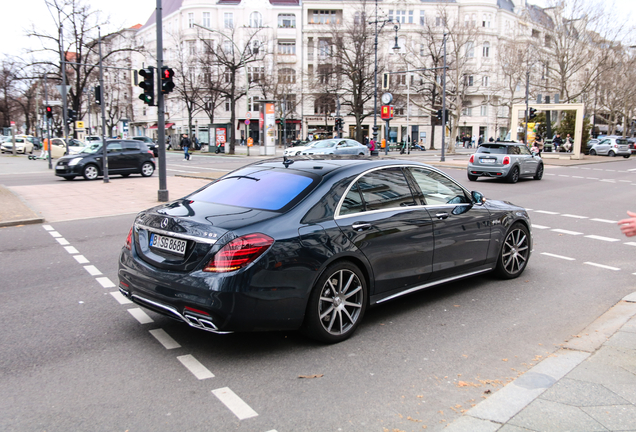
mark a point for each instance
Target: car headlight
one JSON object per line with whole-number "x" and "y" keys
{"x": 74, "y": 161}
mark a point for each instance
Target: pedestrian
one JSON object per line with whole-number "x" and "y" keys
{"x": 628, "y": 226}
{"x": 372, "y": 145}
{"x": 481, "y": 140}
{"x": 366, "y": 140}
{"x": 538, "y": 143}
{"x": 44, "y": 153}
{"x": 195, "y": 142}
{"x": 185, "y": 145}
{"x": 491, "y": 139}
{"x": 557, "y": 142}
{"x": 568, "y": 143}
{"x": 169, "y": 142}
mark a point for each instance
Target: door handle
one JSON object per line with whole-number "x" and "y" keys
{"x": 361, "y": 226}
{"x": 442, "y": 215}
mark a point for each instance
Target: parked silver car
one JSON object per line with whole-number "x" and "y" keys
{"x": 612, "y": 146}
{"x": 337, "y": 146}
{"x": 509, "y": 160}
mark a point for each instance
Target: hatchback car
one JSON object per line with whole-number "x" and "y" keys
{"x": 337, "y": 146}
{"x": 611, "y": 146}
{"x": 310, "y": 244}
{"x": 125, "y": 157}
{"x": 509, "y": 160}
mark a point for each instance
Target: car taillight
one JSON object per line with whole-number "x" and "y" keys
{"x": 129, "y": 240}
{"x": 506, "y": 160}
{"x": 472, "y": 158}
{"x": 150, "y": 151}
{"x": 239, "y": 253}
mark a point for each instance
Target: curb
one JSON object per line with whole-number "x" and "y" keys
{"x": 493, "y": 413}
{"x": 15, "y": 211}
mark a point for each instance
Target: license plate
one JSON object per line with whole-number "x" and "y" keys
{"x": 169, "y": 244}
{"x": 487, "y": 161}
{"x": 59, "y": 168}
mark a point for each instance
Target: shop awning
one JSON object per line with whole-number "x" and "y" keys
{"x": 168, "y": 126}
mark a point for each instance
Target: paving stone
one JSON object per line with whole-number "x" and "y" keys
{"x": 472, "y": 424}
{"x": 511, "y": 428}
{"x": 581, "y": 393}
{"x": 615, "y": 418}
{"x": 630, "y": 326}
{"x": 614, "y": 378}
{"x": 625, "y": 340}
{"x": 543, "y": 415}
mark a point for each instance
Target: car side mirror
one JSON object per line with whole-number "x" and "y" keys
{"x": 478, "y": 197}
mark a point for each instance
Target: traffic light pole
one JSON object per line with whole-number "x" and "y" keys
{"x": 103, "y": 105}
{"x": 162, "y": 193}
{"x": 64, "y": 101}
{"x": 48, "y": 121}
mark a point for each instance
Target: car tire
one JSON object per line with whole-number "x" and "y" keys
{"x": 514, "y": 253}
{"x": 513, "y": 175}
{"x": 323, "y": 322}
{"x": 626, "y": 156}
{"x": 125, "y": 175}
{"x": 538, "y": 175}
{"x": 69, "y": 178}
{"x": 611, "y": 153}
{"x": 592, "y": 152}
{"x": 147, "y": 169}
{"x": 472, "y": 177}
{"x": 360, "y": 154}
{"x": 91, "y": 172}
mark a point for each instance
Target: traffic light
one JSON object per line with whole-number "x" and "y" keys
{"x": 167, "y": 83}
{"x": 148, "y": 85}
{"x": 439, "y": 115}
{"x": 71, "y": 115}
{"x": 532, "y": 114}
{"x": 98, "y": 95}
{"x": 339, "y": 123}
{"x": 49, "y": 112}
{"x": 385, "y": 81}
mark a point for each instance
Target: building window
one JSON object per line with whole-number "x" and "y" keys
{"x": 469, "y": 80}
{"x": 359, "y": 18}
{"x": 190, "y": 20}
{"x": 390, "y": 14}
{"x": 254, "y": 103}
{"x": 400, "y": 16}
{"x": 255, "y": 73}
{"x": 228, "y": 20}
{"x": 288, "y": 103}
{"x": 286, "y": 21}
{"x": 467, "y": 109}
{"x": 535, "y": 33}
{"x": 466, "y": 20}
{"x": 473, "y": 20}
{"x": 410, "y": 17}
{"x": 422, "y": 18}
{"x": 486, "y": 21}
{"x": 484, "y": 111}
{"x": 287, "y": 76}
{"x": 486, "y": 49}
{"x": 256, "y": 20}
{"x": 485, "y": 81}
{"x": 227, "y": 105}
{"x": 324, "y": 73}
{"x": 324, "y": 17}
{"x": 286, "y": 47}
{"x": 324, "y": 105}
{"x": 324, "y": 48}
{"x": 228, "y": 47}
{"x": 470, "y": 49}
{"x": 548, "y": 41}
{"x": 192, "y": 47}
{"x": 422, "y": 50}
{"x": 206, "y": 19}
{"x": 255, "y": 47}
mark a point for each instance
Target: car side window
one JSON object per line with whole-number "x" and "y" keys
{"x": 131, "y": 146}
{"x": 384, "y": 189}
{"x": 114, "y": 147}
{"x": 352, "y": 202}
{"x": 524, "y": 150}
{"x": 514, "y": 150}
{"x": 438, "y": 189}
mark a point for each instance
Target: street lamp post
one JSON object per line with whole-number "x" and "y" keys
{"x": 443, "y": 158}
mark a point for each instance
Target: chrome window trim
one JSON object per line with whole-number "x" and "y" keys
{"x": 338, "y": 216}
{"x": 177, "y": 235}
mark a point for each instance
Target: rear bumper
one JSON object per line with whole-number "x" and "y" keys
{"x": 482, "y": 171}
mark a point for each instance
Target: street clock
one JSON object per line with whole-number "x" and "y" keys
{"x": 387, "y": 98}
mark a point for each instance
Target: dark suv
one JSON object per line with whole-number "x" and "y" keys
{"x": 125, "y": 157}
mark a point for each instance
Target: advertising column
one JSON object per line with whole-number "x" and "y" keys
{"x": 267, "y": 122}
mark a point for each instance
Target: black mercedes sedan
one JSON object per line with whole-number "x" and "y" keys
{"x": 310, "y": 244}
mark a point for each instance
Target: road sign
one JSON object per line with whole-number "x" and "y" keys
{"x": 79, "y": 125}
{"x": 247, "y": 121}
{"x": 248, "y": 115}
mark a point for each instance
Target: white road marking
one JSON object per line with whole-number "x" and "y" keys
{"x": 630, "y": 244}
{"x": 547, "y": 212}
{"x": 540, "y": 226}
{"x": 71, "y": 249}
{"x": 549, "y": 174}
{"x": 62, "y": 241}
{"x": 234, "y": 403}
{"x": 607, "y": 239}
{"x": 165, "y": 339}
{"x": 586, "y": 168}
{"x": 55, "y": 234}
{"x": 633, "y": 169}
{"x": 592, "y": 178}
{"x": 194, "y": 366}
{"x": 80, "y": 259}
{"x": 183, "y": 171}
{"x": 578, "y": 177}
{"x": 625, "y": 181}
{"x": 563, "y": 175}
{"x": 574, "y": 216}
{"x": 140, "y": 316}
{"x": 562, "y": 231}
{"x": 603, "y": 220}
{"x": 120, "y": 298}
{"x": 597, "y": 169}
{"x": 610, "y": 170}
{"x": 105, "y": 282}
{"x": 47, "y": 227}
{"x": 92, "y": 270}
{"x": 608, "y": 180}
{"x": 602, "y": 266}
{"x": 558, "y": 256}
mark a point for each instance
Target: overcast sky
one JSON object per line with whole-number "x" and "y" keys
{"x": 126, "y": 13}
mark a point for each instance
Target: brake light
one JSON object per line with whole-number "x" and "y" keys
{"x": 506, "y": 160}
{"x": 129, "y": 239}
{"x": 472, "y": 158}
{"x": 239, "y": 253}
{"x": 150, "y": 151}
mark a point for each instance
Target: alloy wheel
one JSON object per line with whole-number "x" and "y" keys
{"x": 515, "y": 251}
{"x": 340, "y": 304}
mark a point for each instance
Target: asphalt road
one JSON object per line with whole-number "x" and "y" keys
{"x": 74, "y": 358}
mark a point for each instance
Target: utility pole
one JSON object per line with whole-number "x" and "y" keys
{"x": 162, "y": 193}
{"x": 103, "y": 105}
{"x": 48, "y": 120}
{"x": 64, "y": 101}
{"x": 442, "y": 159}
{"x": 525, "y": 128}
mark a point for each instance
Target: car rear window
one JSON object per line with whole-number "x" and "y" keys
{"x": 493, "y": 149}
{"x": 270, "y": 189}
{"x": 621, "y": 141}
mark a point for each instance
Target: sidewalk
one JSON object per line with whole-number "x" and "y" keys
{"x": 589, "y": 385}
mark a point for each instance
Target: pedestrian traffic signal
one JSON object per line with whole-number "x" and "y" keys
{"x": 532, "y": 114}
{"x": 49, "y": 112}
{"x": 71, "y": 115}
{"x": 167, "y": 83}
{"x": 439, "y": 114}
{"x": 148, "y": 85}
{"x": 98, "y": 95}
{"x": 339, "y": 124}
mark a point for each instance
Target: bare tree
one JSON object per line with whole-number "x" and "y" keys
{"x": 8, "y": 80}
